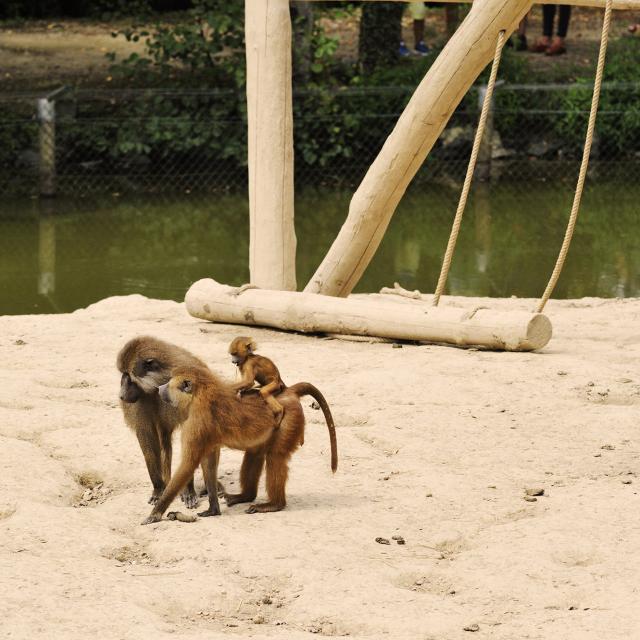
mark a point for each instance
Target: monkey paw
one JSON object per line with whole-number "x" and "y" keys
{"x": 264, "y": 507}
{"x": 209, "y": 512}
{"x": 154, "y": 517}
{"x": 190, "y": 499}
{"x": 237, "y": 498}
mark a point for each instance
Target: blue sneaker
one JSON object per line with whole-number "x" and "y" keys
{"x": 403, "y": 51}
{"x": 422, "y": 49}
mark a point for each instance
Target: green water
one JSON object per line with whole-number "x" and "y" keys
{"x": 61, "y": 255}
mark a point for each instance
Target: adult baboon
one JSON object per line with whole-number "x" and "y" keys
{"x": 146, "y": 363}
{"x": 215, "y": 417}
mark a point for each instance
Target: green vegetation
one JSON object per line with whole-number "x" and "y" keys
{"x": 343, "y": 111}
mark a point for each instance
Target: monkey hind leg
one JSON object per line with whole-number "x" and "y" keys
{"x": 276, "y": 407}
{"x": 210, "y": 472}
{"x": 265, "y": 507}
{"x": 250, "y": 473}
{"x": 277, "y": 474}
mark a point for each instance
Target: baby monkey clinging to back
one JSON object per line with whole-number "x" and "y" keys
{"x": 255, "y": 368}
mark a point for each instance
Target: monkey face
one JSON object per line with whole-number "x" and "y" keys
{"x": 240, "y": 349}
{"x": 178, "y": 392}
{"x": 129, "y": 390}
{"x": 143, "y": 375}
{"x": 150, "y": 373}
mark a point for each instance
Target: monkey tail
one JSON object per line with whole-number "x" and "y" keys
{"x": 307, "y": 389}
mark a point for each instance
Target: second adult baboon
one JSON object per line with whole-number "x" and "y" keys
{"x": 215, "y": 416}
{"x": 145, "y": 363}
{"x": 257, "y": 369}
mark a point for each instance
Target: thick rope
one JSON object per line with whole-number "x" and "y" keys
{"x": 453, "y": 237}
{"x": 553, "y": 280}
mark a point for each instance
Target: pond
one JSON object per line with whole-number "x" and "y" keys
{"x": 63, "y": 254}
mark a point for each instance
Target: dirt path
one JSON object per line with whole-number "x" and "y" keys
{"x": 44, "y": 55}
{"x": 436, "y": 444}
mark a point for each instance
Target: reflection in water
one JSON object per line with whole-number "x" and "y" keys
{"x": 62, "y": 254}
{"x": 47, "y": 252}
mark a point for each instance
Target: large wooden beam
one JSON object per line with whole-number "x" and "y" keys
{"x": 369, "y": 316}
{"x": 617, "y": 4}
{"x": 272, "y": 244}
{"x": 466, "y": 54}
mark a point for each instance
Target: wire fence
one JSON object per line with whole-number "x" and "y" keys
{"x": 126, "y": 141}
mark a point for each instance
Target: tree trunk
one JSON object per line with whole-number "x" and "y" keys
{"x": 433, "y": 102}
{"x": 272, "y": 242}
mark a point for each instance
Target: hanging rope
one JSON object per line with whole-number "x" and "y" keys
{"x": 553, "y": 280}
{"x": 486, "y": 104}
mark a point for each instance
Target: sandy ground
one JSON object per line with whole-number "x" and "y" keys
{"x": 436, "y": 444}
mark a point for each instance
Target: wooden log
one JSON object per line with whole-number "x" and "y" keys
{"x": 272, "y": 242}
{"x": 466, "y": 54}
{"x": 405, "y": 320}
{"x": 617, "y": 4}
{"x": 47, "y": 145}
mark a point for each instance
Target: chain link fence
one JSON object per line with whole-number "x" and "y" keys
{"x": 75, "y": 142}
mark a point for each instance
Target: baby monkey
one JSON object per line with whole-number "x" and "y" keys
{"x": 257, "y": 369}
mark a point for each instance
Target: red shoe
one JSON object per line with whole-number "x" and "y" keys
{"x": 539, "y": 47}
{"x": 556, "y": 49}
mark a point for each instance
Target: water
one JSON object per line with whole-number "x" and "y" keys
{"x": 61, "y": 255}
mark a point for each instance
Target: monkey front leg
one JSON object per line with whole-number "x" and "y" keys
{"x": 150, "y": 446}
{"x": 188, "y": 496}
{"x": 210, "y": 473}
{"x": 180, "y": 478}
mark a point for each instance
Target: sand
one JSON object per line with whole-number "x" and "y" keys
{"x": 437, "y": 445}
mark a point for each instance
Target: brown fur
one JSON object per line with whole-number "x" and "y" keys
{"x": 217, "y": 417}
{"x": 257, "y": 369}
{"x": 146, "y": 363}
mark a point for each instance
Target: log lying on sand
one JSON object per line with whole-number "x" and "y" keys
{"x": 421, "y": 322}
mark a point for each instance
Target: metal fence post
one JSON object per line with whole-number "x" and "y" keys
{"x": 483, "y": 166}
{"x": 47, "y": 135}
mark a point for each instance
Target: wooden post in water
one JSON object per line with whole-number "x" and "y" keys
{"x": 272, "y": 242}
{"x": 47, "y": 141}
{"x": 483, "y": 165}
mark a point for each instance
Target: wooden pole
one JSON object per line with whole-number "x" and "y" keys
{"x": 272, "y": 244}
{"x": 432, "y": 104}
{"x": 483, "y": 168}
{"x": 624, "y": 5}
{"x": 47, "y": 144}
{"x": 376, "y": 315}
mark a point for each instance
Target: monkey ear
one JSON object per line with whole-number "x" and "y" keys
{"x": 186, "y": 386}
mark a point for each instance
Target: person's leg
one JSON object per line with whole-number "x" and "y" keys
{"x": 564, "y": 15}
{"x": 418, "y": 12}
{"x": 548, "y": 16}
{"x": 557, "y": 46}
{"x": 418, "y": 31}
